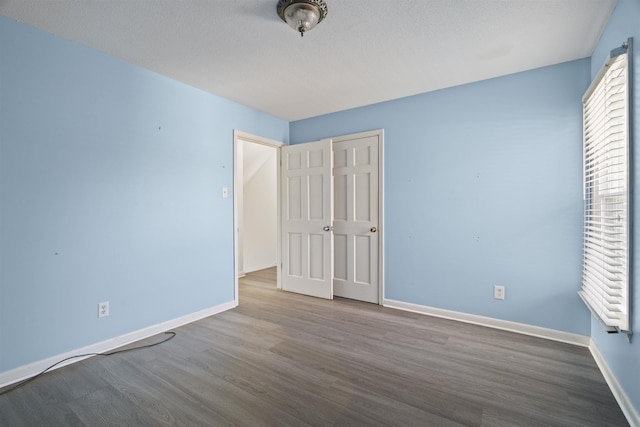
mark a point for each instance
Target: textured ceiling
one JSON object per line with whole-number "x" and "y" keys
{"x": 365, "y": 51}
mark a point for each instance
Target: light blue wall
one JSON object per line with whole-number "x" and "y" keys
{"x": 110, "y": 190}
{"x": 623, "y": 357}
{"x": 482, "y": 187}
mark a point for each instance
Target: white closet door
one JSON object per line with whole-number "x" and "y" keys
{"x": 307, "y": 205}
{"x": 356, "y": 234}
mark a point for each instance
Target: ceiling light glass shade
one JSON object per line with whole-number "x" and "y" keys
{"x": 302, "y": 15}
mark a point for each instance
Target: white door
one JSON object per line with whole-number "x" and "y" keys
{"x": 307, "y": 196}
{"x": 356, "y": 202}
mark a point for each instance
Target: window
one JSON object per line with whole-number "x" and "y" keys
{"x": 605, "y": 273}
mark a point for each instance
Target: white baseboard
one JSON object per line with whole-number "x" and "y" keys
{"x": 27, "y": 371}
{"x": 621, "y": 397}
{"x": 521, "y": 328}
{"x": 254, "y": 269}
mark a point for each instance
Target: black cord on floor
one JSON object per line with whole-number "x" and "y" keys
{"x": 173, "y": 334}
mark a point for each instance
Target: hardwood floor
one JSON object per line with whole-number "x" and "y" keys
{"x": 282, "y": 359}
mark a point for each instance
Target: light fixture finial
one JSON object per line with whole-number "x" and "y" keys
{"x": 302, "y": 15}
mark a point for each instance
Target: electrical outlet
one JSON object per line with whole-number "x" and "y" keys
{"x": 498, "y": 292}
{"x": 103, "y": 309}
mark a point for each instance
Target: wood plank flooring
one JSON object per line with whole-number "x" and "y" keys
{"x": 282, "y": 359}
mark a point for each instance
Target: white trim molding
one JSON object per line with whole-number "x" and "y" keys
{"x": 618, "y": 392}
{"x": 27, "y": 371}
{"x": 505, "y": 325}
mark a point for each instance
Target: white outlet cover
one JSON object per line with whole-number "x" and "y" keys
{"x": 103, "y": 309}
{"x": 498, "y": 292}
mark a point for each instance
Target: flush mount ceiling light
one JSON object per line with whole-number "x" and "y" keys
{"x": 302, "y": 15}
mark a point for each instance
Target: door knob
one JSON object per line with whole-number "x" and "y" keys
{"x": 327, "y": 228}
{"x": 373, "y": 229}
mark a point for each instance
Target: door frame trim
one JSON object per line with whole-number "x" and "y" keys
{"x": 380, "y": 134}
{"x": 237, "y": 197}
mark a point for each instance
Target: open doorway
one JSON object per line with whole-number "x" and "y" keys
{"x": 256, "y": 203}
{"x": 258, "y": 221}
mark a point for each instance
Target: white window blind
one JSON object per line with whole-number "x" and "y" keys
{"x": 605, "y": 273}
